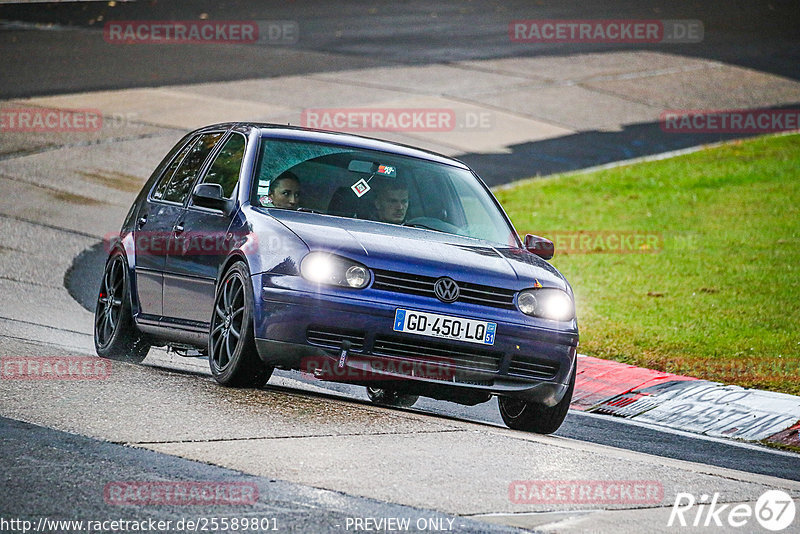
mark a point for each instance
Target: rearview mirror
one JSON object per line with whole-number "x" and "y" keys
{"x": 209, "y": 196}
{"x": 370, "y": 167}
{"x": 540, "y": 246}
{"x": 357, "y": 165}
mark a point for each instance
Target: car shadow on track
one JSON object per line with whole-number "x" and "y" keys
{"x": 582, "y": 150}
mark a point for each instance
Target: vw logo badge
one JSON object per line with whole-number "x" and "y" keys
{"x": 446, "y": 289}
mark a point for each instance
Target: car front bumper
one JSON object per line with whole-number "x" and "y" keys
{"x": 347, "y": 336}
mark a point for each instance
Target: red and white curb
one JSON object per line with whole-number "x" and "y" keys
{"x": 686, "y": 403}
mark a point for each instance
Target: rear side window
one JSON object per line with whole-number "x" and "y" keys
{"x": 158, "y": 193}
{"x": 184, "y": 176}
{"x": 225, "y": 169}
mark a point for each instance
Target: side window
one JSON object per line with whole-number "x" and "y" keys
{"x": 182, "y": 180}
{"x": 158, "y": 192}
{"x": 225, "y": 169}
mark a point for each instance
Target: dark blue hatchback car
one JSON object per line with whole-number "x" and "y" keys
{"x": 351, "y": 259}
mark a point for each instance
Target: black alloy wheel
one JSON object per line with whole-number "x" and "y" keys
{"x": 232, "y": 353}
{"x": 115, "y": 334}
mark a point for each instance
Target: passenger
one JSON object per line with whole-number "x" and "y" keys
{"x": 284, "y": 192}
{"x": 391, "y": 202}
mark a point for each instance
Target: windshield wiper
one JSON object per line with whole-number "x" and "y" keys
{"x": 420, "y": 225}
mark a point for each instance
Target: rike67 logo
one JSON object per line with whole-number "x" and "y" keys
{"x": 774, "y": 510}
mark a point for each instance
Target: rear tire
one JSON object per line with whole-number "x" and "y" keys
{"x": 115, "y": 334}
{"x": 232, "y": 353}
{"x": 534, "y": 417}
{"x": 390, "y": 397}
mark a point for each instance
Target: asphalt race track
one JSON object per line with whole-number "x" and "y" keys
{"x": 319, "y": 455}
{"x": 65, "y": 55}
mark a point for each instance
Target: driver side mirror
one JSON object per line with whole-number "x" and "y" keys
{"x": 209, "y": 196}
{"x": 540, "y": 246}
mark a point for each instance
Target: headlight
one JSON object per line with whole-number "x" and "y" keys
{"x": 356, "y": 276}
{"x": 325, "y": 268}
{"x": 547, "y": 303}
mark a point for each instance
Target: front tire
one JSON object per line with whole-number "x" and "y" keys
{"x": 533, "y": 417}
{"x": 115, "y": 334}
{"x": 232, "y": 353}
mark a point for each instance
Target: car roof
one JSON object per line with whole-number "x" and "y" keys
{"x": 297, "y": 133}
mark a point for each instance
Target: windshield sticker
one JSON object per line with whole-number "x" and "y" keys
{"x": 387, "y": 170}
{"x": 360, "y": 188}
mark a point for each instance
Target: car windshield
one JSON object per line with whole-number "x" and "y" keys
{"x": 365, "y": 184}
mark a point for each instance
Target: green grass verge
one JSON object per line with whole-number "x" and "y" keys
{"x": 717, "y": 294}
{"x": 789, "y": 448}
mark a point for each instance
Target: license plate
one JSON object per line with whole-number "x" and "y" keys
{"x": 444, "y": 326}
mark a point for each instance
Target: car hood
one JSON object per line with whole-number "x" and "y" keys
{"x": 420, "y": 251}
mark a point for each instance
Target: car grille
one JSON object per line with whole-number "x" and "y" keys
{"x": 333, "y": 337}
{"x": 459, "y": 357}
{"x": 532, "y": 368}
{"x": 423, "y": 285}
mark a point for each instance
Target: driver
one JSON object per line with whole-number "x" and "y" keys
{"x": 391, "y": 202}
{"x": 284, "y": 192}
